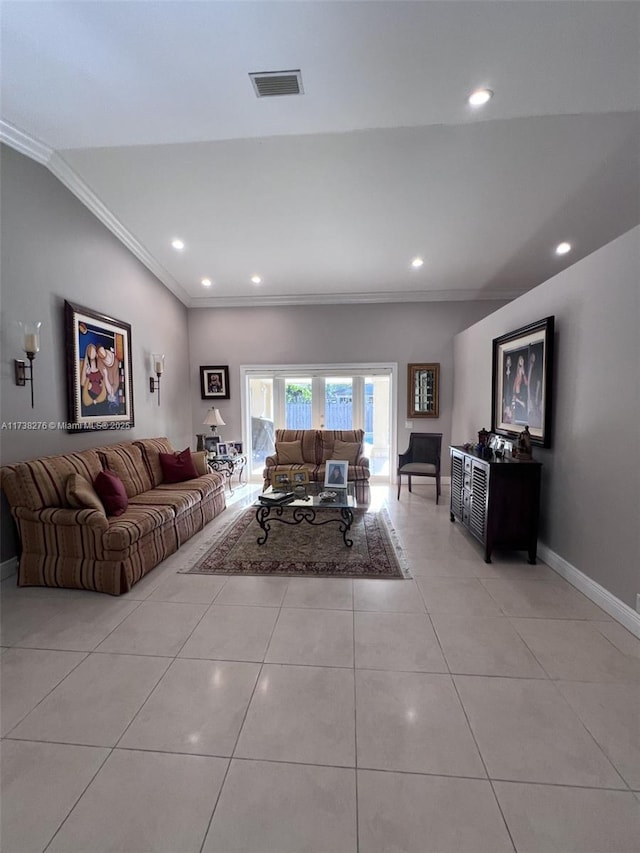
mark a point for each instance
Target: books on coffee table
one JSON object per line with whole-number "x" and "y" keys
{"x": 277, "y": 498}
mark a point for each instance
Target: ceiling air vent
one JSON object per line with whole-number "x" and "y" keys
{"x": 269, "y": 83}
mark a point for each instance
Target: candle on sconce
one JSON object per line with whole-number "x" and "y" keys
{"x": 159, "y": 366}
{"x": 31, "y": 336}
{"x": 31, "y": 343}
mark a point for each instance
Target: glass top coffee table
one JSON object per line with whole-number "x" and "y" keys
{"x": 315, "y": 504}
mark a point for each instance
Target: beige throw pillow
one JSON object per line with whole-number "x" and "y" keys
{"x": 289, "y": 452}
{"x": 349, "y": 450}
{"x": 199, "y": 460}
{"x": 80, "y": 494}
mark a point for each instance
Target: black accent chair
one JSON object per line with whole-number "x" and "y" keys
{"x": 421, "y": 459}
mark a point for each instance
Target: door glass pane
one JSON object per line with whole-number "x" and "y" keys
{"x": 298, "y": 404}
{"x": 338, "y": 403}
{"x": 261, "y": 409}
{"x": 377, "y": 423}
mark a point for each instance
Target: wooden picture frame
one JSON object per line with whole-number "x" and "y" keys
{"x": 214, "y": 382}
{"x": 522, "y": 377}
{"x": 423, "y": 390}
{"x": 99, "y": 370}
{"x": 336, "y": 473}
{"x": 280, "y": 480}
{"x": 300, "y": 477}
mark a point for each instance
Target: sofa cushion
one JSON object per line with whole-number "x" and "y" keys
{"x": 111, "y": 492}
{"x": 350, "y": 451}
{"x": 199, "y": 460}
{"x": 289, "y": 452}
{"x": 327, "y": 439}
{"x": 132, "y": 525}
{"x": 177, "y": 467}
{"x": 80, "y": 494}
{"x": 151, "y": 448}
{"x": 307, "y": 437}
{"x": 42, "y": 482}
{"x": 127, "y": 461}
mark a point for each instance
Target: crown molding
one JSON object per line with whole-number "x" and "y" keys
{"x": 56, "y": 164}
{"x": 353, "y": 298}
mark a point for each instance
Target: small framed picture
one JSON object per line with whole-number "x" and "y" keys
{"x": 238, "y": 447}
{"x": 222, "y": 449}
{"x": 214, "y": 382}
{"x": 211, "y": 443}
{"x": 336, "y": 473}
{"x": 280, "y": 480}
{"x": 300, "y": 478}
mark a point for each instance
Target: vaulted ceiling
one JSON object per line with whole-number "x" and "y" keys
{"x": 147, "y": 112}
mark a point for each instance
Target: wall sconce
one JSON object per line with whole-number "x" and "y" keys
{"x": 214, "y": 420}
{"x": 157, "y": 367}
{"x": 31, "y": 345}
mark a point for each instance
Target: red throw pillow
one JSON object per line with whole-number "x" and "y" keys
{"x": 177, "y": 467}
{"x": 111, "y": 491}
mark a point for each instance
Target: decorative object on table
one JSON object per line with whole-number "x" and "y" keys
{"x": 237, "y": 445}
{"x": 336, "y": 473}
{"x": 214, "y": 420}
{"x": 31, "y": 346}
{"x": 221, "y": 449}
{"x": 214, "y": 382}
{"x": 423, "y": 390}
{"x": 99, "y": 370}
{"x": 211, "y": 443}
{"x": 522, "y": 382}
{"x": 281, "y": 480}
{"x": 300, "y": 477}
{"x": 307, "y": 551}
{"x": 328, "y": 496}
{"x": 157, "y": 367}
{"x": 523, "y": 450}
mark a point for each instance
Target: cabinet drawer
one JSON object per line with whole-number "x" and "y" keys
{"x": 466, "y": 499}
{"x": 467, "y": 463}
{"x": 466, "y": 482}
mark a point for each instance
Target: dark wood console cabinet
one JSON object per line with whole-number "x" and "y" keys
{"x": 497, "y": 501}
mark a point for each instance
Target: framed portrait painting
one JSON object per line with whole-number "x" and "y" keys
{"x": 99, "y": 370}
{"x": 336, "y": 473}
{"x": 522, "y": 382}
{"x": 214, "y": 382}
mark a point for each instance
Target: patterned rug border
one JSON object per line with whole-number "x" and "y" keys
{"x": 386, "y": 529}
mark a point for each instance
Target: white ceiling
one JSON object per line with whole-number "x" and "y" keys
{"x": 147, "y": 112}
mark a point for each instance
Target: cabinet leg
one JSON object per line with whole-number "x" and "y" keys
{"x": 452, "y": 517}
{"x": 487, "y": 555}
{"x": 532, "y": 558}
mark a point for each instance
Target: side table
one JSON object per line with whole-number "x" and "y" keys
{"x": 229, "y": 465}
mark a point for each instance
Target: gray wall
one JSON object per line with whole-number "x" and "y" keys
{"x": 591, "y": 477}
{"x": 54, "y": 249}
{"x": 331, "y": 334}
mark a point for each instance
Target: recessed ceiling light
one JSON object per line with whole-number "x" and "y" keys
{"x": 256, "y": 279}
{"x": 563, "y": 248}
{"x": 206, "y": 282}
{"x": 416, "y": 263}
{"x": 177, "y": 244}
{"x": 480, "y": 97}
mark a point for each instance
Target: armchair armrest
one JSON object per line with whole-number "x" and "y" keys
{"x": 63, "y": 517}
{"x": 362, "y": 461}
{"x": 404, "y": 458}
{"x": 271, "y": 461}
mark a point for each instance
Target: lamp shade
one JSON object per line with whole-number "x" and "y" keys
{"x": 214, "y": 418}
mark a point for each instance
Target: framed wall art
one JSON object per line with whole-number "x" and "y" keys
{"x": 214, "y": 382}
{"x": 99, "y": 370}
{"x": 522, "y": 382}
{"x": 423, "y": 390}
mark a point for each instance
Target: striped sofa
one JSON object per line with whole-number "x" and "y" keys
{"x": 84, "y": 548}
{"x": 318, "y": 446}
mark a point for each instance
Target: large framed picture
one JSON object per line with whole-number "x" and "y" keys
{"x": 99, "y": 370}
{"x": 522, "y": 382}
{"x": 214, "y": 382}
{"x": 423, "y": 390}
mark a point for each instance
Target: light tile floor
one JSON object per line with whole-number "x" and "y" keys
{"x": 472, "y": 709}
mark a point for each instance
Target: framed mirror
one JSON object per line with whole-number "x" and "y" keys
{"x": 423, "y": 390}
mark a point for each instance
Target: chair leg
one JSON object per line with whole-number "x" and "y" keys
{"x": 399, "y": 485}
{"x": 438, "y": 490}
{"x": 409, "y": 479}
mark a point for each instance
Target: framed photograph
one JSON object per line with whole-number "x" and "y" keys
{"x": 214, "y": 382}
{"x": 211, "y": 442}
{"x": 336, "y": 473}
{"x": 522, "y": 382}
{"x": 300, "y": 477}
{"x": 222, "y": 449}
{"x": 280, "y": 480}
{"x": 238, "y": 446}
{"x": 423, "y": 390}
{"x": 99, "y": 370}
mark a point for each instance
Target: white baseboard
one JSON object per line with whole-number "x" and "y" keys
{"x": 8, "y": 567}
{"x": 620, "y": 611}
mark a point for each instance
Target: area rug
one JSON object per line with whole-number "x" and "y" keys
{"x": 305, "y": 550}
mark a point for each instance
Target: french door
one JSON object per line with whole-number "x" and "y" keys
{"x": 319, "y": 397}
